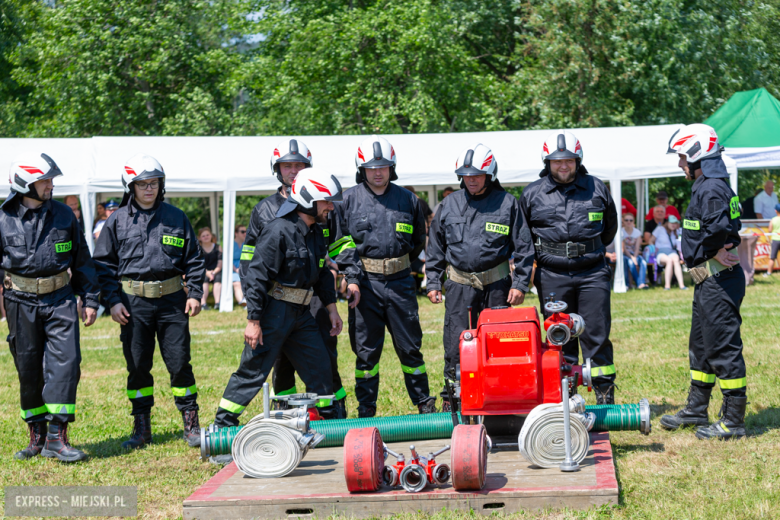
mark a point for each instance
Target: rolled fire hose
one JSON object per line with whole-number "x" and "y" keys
{"x": 541, "y": 440}
{"x": 364, "y": 459}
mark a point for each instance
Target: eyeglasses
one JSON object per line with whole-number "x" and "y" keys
{"x": 242, "y": 231}
{"x": 143, "y": 186}
{"x": 628, "y": 220}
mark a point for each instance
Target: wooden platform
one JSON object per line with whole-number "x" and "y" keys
{"x": 317, "y": 488}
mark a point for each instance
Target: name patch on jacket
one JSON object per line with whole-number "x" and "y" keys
{"x": 734, "y": 207}
{"x": 404, "y": 228}
{"x": 326, "y": 233}
{"x": 63, "y": 247}
{"x": 168, "y": 240}
{"x": 691, "y": 224}
{"x": 322, "y": 262}
{"x": 593, "y": 217}
{"x": 496, "y": 228}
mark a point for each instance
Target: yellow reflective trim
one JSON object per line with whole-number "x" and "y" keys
{"x": 182, "y": 392}
{"x": 734, "y": 207}
{"x": 602, "y": 371}
{"x": 231, "y": 406}
{"x": 326, "y": 232}
{"x": 496, "y": 228}
{"x": 701, "y": 376}
{"x": 322, "y": 262}
{"x": 731, "y": 384}
{"x": 594, "y": 217}
{"x": 693, "y": 225}
{"x": 169, "y": 240}
{"x": 404, "y": 228}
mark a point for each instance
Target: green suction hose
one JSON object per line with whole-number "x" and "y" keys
{"x": 621, "y": 417}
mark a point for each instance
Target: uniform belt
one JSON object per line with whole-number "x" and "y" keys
{"x": 709, "y": 268}
{"x": 152, "y": 289}
{"x": 386, "y": 266}
{"x": 568, "y": 249}
{"x": 45, "y": 285}
{"x": 478, "y": 280}
{"x": 291, "y": 294}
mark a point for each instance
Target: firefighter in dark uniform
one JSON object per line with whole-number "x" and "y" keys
{"x": 709, "y": 242}
{"x": 41, "y": 240}
{"x": 572, "y": 218}
{"x": 288, "y": 159}
{"x": 145, "y": 249}
{"x": 386, "y": 225}
{"x": 473, "y": 235}
{"x": 287, "y": 268}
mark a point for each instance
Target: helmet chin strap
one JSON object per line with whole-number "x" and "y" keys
{"x": 32, "y": 193}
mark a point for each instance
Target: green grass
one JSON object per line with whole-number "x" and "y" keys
{"x": 663, "y": 476}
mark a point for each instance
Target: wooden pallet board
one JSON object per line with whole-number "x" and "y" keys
{"x": 317, "y": 488}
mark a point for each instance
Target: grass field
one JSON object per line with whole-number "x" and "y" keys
{"x": 663, "y": 476}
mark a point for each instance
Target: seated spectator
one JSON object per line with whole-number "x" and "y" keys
{"x": 238, "y": 244}
{"x": 659, "y": 216}
{"x": 662, "y": 199}
{"x": 666, "y": 240}
{"x": 73, "y": 203}
{"x": 633, "y": 260}
{"x": 212, "y": 254}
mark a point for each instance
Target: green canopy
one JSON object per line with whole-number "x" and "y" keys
{"x": 749, "y": 119}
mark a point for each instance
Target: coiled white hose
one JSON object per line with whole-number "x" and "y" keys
{"x": 541, "y": 440}
{"x": 264, "y": 448}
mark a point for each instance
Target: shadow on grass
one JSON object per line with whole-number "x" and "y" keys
{"x": 655, "y": 447}
{"x": 113, "y": 447}
{"x": 657, "y": 410}
{"x": 765, "y": 420}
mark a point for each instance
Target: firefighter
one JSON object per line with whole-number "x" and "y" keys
{"x": 386, "y": 225}
{"x": 41, "y": 241}
{"x": 573, "y": 218}
{"x": 289, "y": 158}
{"x": 287, "y": 268}
{"x": 145, "y": 249}
{"x": 709, "y": 242}
{"x": 474, "y": 234}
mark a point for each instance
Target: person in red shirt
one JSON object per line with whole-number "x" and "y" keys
{"x": 627, "y": 207}
{"x": 662, "y": 199}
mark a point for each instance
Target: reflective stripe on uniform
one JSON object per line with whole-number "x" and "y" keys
{"x": 289, "y": 391}
{"x": 340, "y": 393}
{"x": 414, "y": 371}
{"x": 247, "y": 252}
{"x": 26, "y": 414}
{"x": 230, "y": 406}
{"x": 340, "y": 245}
{"x": 602, "y": 371}
{"x": 732, "y": 384}
{"x": 68, "y": 409}
{"x": 183, "y": 392}
{"x": 701, "y": 376}
{"x": 322, "y": 403}
{"x": 141, "y": 392}
{"x": 366, "y": 374}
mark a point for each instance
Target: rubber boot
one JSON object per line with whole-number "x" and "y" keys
{"x": 341, "y": 408}
{"x": 731, "y": 423}
{"x": 695, "y": 411}
{"x": 191, "y": 428}
{"x": 428, "y": 406}
{"x": 142, "y": 432}
{"x": 446, "y": 406}
{"x": 605, "y": 394}
{"x": 37, "y": 432}
{"x": 365, "y": 411}
{"x": 279, "y": 405}
{"x": 58, "y": 446}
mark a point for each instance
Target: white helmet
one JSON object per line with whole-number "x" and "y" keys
{"x": 562, "y": 145}
{"x": 290, "y": 150}
{"x": 30, "y": 168}
{"x": 141, "y": 167}
{"x": 477, "y": 161}
{"x": 696, "y": 142}
{"x": 308, "y": 187}
{"x": 375, "y": 152}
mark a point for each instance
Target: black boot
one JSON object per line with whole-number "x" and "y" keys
{"x": 341, "y": 408}
{"x": 365, "y": 411}
{"x": 57, "y": 445}
{"x": 695, "y": 411}
{"x": 605, "y": 394}
{"x": 279, "y": 405}
{"x": 731, "y": 423}
{"x": 142, "y": 432}
{"x": 428, "y": 406}
{"x": 191, "y": 428}
{"x": 446, "y": 406}
{"x": 37, "y": 432}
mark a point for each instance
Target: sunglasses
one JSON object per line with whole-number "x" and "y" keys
{"x": 242, "y": 231}
{"x": 628, "y": 220}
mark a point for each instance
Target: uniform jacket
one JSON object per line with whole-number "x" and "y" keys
{"x": 390, "y": 225}
{"x": 478, "y": 233}
{"x": 44, "y": 242}
{"x": 575, "y": 212}
{"x": 293, "y": 254}
{"x": 151, "y": 245}
{"x": 711, "y": 220}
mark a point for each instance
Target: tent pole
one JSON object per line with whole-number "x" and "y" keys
{"x": 433, "y": 196}
{"x": 88, "y": 205}
{"x": 620, "y": 280}
{"x": 229, "y": 217}
{"x": 641, "y": 211}
{"x": 647, "y": 199}
{"x": 213, "y": 212}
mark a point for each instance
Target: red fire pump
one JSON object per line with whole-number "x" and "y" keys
{"x": 507, "y": 370}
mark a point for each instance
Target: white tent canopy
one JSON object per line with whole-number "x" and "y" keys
{"x": 208, "y": 166}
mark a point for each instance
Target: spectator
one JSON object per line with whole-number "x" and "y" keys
{"x": 748, "y": 207}
{"x": 212, "y": 254}
{"x": 633, "y": 261}
{"x": 662, "y": 199}
{"x": 108, "y": 208}
{"x": 72, "y": 202}
{"x": 667, "y": 240}
{"x": 446, "y": 191}
{"x": 627, "y": 207}
{"x": 427, "y": 213}
{"x": 238, "y": 243}
{"x": 659, "y": 216}
{"x": 100, "y": 214}
{"x": 774, "y": 228}
{"x": 765, "y": 202}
